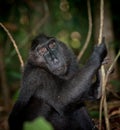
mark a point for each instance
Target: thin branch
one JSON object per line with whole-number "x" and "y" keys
{"x": 103, "y": 95}
{"x": 14, "y": 44}
{"x": 113, "y": 63}
{"x": 101, "y": 20}
{"x": 104, "y": 78}
{"x": 106, "y": 112}
{"x": 111, "y": 67}
{"x": 103, "y": 99}
{"x": 89, "y": 31}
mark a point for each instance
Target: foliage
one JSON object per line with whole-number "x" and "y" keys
{"x": 38, "y": 124}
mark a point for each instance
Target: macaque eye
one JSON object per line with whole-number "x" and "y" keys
{"x": 52, "y": 44}
{"x": 42, "y": 50}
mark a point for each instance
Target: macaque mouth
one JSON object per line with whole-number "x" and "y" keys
{"x": 61, "y": 69}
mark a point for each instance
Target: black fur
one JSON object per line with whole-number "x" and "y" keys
{"x": 57, "y": 96}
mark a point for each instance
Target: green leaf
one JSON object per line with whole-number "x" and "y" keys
{"x": 38, "y": 124}
{"x": 14, "y": 74}
{"x": 15, "y": 96}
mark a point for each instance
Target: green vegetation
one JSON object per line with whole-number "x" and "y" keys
{"x": 38, "y": 124}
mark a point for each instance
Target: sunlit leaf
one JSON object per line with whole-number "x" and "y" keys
{"x": 38, "y": 124}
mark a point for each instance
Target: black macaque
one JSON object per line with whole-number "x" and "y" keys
{"x": 55, "y": 87}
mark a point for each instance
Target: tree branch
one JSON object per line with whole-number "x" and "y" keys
{"x": 103, "y": 77}
{"x": 89, "y": 32}
{"x": 14, "y": 44}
